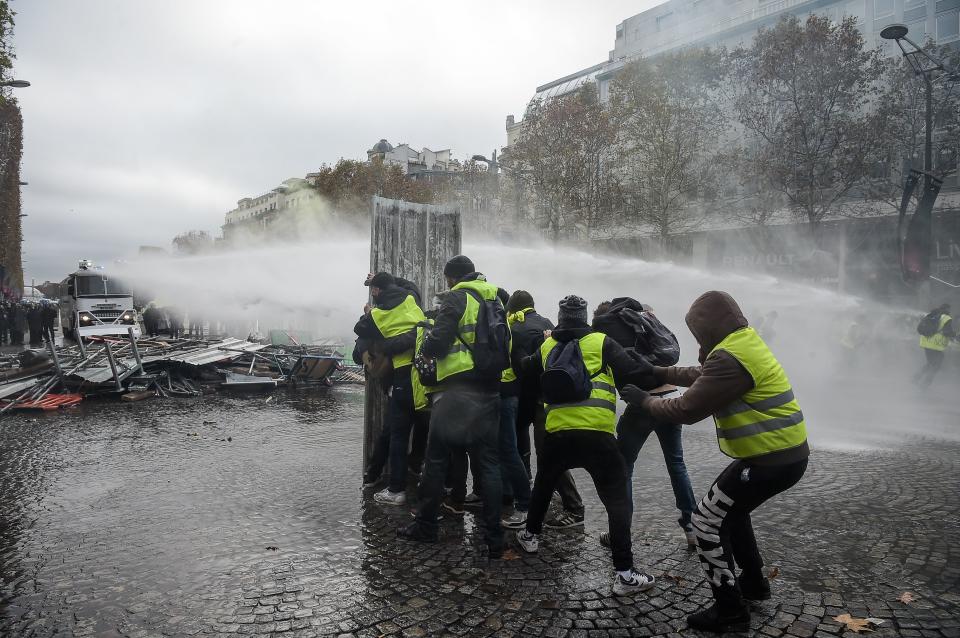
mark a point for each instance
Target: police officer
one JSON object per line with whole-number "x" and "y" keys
{"x": 759, "y": 424}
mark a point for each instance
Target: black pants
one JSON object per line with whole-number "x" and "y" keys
{"x": 598, "y": 454}
{"x": 724, "y": 529}
{"x": 934, "y": 359}
{"x": 463, "y": 420}
{"x": 565, "y": 487}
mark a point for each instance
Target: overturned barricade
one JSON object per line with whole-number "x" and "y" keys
{"x": 136, "y": 369}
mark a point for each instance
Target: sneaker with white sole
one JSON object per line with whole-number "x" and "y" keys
{"x": 528, "y": 542}
{"x": 386, "y": 497}
{"x": 515, "y": 521}
{"x": 472, "y": 500}
{"x": 638, "y": 582}
{"x": 691, "y": 536}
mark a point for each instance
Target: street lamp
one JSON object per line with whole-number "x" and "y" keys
{"x": 924, "y": 65}
{"x": 16, "y": 84}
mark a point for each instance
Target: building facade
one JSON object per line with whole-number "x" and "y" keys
{"x": 412, "y": 162}
{"x": 292, "y": 196}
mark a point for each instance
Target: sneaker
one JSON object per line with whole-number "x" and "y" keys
{"x": 413, "y": 532}
{"x": 528, "y": 542}
{"x": 452, "y": 507}
{"x": 565, "y": 521}
{"x": 691, "y": 536}
{"x": 386, "y": 497}
{"x": 472, "y": 500}
{"x": 605, "y": 539}
{"x": 721, "y": 622}
{"x": 638, "y": 581}
{"x": 515, "y": 521}
{"x": 369, "y": 481}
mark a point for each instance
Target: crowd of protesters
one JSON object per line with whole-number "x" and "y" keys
{"x": 470, "y": 373}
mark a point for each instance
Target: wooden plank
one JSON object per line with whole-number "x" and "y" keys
{"x": 413, "y": 241}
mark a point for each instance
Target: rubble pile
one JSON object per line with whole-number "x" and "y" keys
{"x": 138, "y": 368}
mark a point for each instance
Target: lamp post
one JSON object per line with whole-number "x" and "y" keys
{"x": 924, "y": 65}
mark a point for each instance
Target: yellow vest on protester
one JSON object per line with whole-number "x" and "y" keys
{"x": 767, "y": 418}
{"x": 459, "y": 359}
{"x": 397, "y": 321}
{"x": 421, "y": 392}
{"x": 937, "y": 341}
{"x": 509, "y": 374}
{"x": 599, "y": 412}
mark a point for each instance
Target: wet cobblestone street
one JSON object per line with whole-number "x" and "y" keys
{"x": 237, "y": 516}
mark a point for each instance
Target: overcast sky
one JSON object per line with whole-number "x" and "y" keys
{"x": 149, "y": 118}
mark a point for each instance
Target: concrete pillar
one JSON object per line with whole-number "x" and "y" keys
{"x": 412, "y": 241}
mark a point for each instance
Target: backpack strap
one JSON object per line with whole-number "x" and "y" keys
{"x": 475, "y": 295}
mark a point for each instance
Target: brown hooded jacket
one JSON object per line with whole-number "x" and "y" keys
{"x": 719, "y": 380}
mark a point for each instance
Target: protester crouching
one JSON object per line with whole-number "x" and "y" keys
{"x": 758, "y": 423}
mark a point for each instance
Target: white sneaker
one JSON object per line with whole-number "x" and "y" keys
{"x": 386, "y": 497}
{"x": 638, "y": 581}
{"x": 515, "y": 521}
{"x": 691, "y": 536}
{"x": 528, "y": 542}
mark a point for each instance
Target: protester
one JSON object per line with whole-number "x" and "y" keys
{"x": 50, "y": 316}
{"x": 516, "y": 481}
{"x": 465, "y": 415}
{"x": 619, "y": 320}
{"x": 394, "y": 317}
{"x": 18, "y": 324}
{"x": 933, "y": 342}
{"x": 4, "y": 323}
{"x": 580, "y": 433}
{"x": 528, "y": 328}
{"x": 758, "y": 423}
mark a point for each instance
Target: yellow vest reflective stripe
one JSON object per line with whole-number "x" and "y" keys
{"x": 938, "y": 341}
{"x": 397, "y": 321}
{"x": 421, "y": 392}
{"x": 767, "y": 418}
{"x": 459, "y": 359}
{"x": 599, "y": 412}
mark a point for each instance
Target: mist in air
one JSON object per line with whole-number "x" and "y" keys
{"x": 317, "y": 286}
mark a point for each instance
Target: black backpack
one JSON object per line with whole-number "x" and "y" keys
{"x": 565, "y": 378}
{"x": 634, "y": 328}
{"x": 491, "y": 345}
{"x": 930, "y": 324}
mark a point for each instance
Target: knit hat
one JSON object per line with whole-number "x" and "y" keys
{"x": 519, "y": 300}
{"x": 458, "y": 267}
{"x": 381, "y": 280}
{"x": 572, "y": 308}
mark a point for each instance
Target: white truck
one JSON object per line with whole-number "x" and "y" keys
{"x": 93, "y": 303}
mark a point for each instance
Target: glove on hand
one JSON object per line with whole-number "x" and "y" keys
{"x": 634, "y": 395}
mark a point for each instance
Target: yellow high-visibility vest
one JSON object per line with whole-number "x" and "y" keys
{"x": 937, "y": 341}
{"x": 459, "y": 359}
{"x": 599, "y": 412}
{"x": 397, "y": 321}
{"x": 767, "y": 418}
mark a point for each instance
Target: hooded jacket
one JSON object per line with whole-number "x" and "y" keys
{"x": 719, "y": 380}
{"x": 367, "y": 330}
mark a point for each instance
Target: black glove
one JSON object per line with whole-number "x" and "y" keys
{"x": 643, "y": 366}
{"x": 634, "y": 395}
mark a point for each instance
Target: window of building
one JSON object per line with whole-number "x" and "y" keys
{"x": 948, "y": 26}
{"x": 917, "y": 31}
{"x": 914, "y": 4}
{"x": 883, "y": 9}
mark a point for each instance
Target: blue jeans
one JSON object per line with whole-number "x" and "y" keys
{"x": 632, "y": 431}
{"x": 512, "y": 471}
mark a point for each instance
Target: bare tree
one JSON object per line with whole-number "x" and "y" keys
{"x": 670, "y": 123}
{"x": 807, "y": 94}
